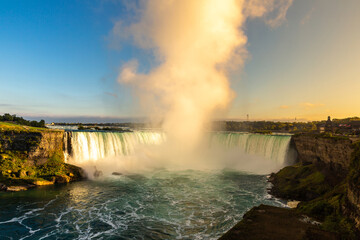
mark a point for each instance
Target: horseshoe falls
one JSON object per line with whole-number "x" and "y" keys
{"x": 247, "y": 152}
{"x": 159, "y": 203}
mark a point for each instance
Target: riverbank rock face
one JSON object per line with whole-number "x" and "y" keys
{"x": 334, "y": 153}
{"x": 353, "y": 191}
{"x": 50, "y": 143}
{"x": 327, "y": 181}
{"x": 34, "y": 157}
{"x": 353, "y": 207}
{"x": 268, "y": 223}
{"x": 36, "y": 146}
{"x": 299, "y": 182}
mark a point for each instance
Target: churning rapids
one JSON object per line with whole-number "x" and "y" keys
{"x": 161, "y": 203}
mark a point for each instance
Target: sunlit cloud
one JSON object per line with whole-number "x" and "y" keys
{"x": 308, "y": 105}
{"x": 284, "y": 106}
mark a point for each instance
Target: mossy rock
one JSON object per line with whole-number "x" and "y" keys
{"x": 328, "y": 209}
{"x": 15, "y": 172}
{"x": 62, "y": 179}
{"x": 54, "y": 166}
{"x": 299, "y": 182}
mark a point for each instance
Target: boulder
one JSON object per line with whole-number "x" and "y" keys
{"x": 116, "y": 174}
{"x": 16, "y": 188}
{"x": 62, "y": 179}
{"x": 42, "y": 182}
{"x": 3, "y": 187}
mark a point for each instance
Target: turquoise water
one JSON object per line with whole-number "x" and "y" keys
{"x": 156, "y": 205}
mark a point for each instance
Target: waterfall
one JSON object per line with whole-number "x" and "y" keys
{"x": 244, "y": 148}
{"x": 86, "y": 146}
{"x": 274, "y": 147}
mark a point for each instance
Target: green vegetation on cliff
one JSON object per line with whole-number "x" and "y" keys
{"x": 324, "y": 194}
{"x": 354, "y": 173}
{"x": 264, "y": 126}
{"x": 327, "y": 135}
{"x": 16, "y": 170}
{"x": 329, "y": 209}
{"x": 299, "y": 182}
{"x": 32, "y": 156}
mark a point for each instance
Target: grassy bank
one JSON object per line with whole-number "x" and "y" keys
{"x": 10, "y": 126}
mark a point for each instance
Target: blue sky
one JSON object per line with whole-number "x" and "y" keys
{"x": 57, "y": 59}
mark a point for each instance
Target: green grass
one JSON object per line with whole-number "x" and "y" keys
{"x": 8, "y": 126}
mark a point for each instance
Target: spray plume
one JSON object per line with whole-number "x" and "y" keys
{"x": 196, "y": 43}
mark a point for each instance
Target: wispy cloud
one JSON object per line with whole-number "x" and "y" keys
{"x": 307, "y": 17}
{"x": 279, "y": 16}
{"x": 273, "y": 11}
{"x": 111, "y": 94}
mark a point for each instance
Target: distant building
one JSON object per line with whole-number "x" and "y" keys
{"x": 329, "y": 125}
{"x": 355, "y": 125}
{"x": 320, "y": 127}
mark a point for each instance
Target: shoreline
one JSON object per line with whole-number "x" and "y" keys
{"x": 71, "y": 174}
{"x": 324, "y": 184}
{"x": 270, "y": 222}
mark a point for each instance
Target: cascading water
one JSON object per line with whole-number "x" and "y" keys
{"x": 243, "y": 151}
{"x": 159, "y": 204}
{"x": 274, "y": 147}
{"x": 93, "y": 146}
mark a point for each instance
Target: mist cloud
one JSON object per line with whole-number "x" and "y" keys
{"x": 197, "y": 43}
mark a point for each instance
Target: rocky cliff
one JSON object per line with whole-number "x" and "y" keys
{"x": 334, "y": 153}
{"x": 34, "y": 157}
{"x": 268, "y": 223}
{"x": 353, "y": 204}
{"x": 353, "y": 190}
{"x": 327, "y": 180}
{"x": 36, "y": 146}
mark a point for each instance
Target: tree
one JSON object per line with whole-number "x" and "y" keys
{"x": 8, "y": 117}
{"x": 42, "y": 123}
